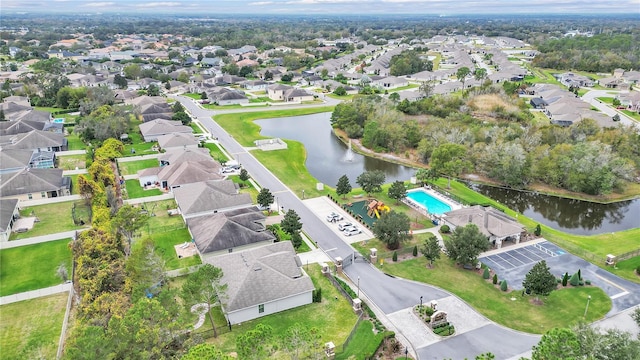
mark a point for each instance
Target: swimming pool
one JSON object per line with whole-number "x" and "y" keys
{"x": 433, "y": 205}
{"x": 58, "y": 120}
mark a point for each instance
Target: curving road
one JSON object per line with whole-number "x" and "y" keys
{"x": 392, "y": 296}
{"x": 591, "y": 98}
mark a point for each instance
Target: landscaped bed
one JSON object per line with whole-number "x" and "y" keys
{"x": 30, "y": 329}
{"x": 54, "y": 218}
{"x": 33, "y": 267}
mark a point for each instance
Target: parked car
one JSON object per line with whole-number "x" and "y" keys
{"x": 352, "y": 231}
{"x": 334, "y": 217}
{"x": 345, "y": 225}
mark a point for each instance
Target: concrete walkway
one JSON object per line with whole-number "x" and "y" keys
{"x": 74, "y": 172}
{"x": 28, "y": 295}
{"x": 71, "y": 152}
{"x": 138, "y": 158}
{"x": 167, "y": 196}
{"x": 40, "y": 239}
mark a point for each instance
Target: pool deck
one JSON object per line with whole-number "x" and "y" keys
{"x": 454, "y": 205}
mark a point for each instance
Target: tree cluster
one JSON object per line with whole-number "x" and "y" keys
{"x": 408, "y": 62}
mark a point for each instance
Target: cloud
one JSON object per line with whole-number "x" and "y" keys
{"x": 260, "y": 3}
{"x": 99, "y": 4}
{"x": 158, "y": 4}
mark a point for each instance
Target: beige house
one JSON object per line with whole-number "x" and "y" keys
{"x": 496, "y": 225}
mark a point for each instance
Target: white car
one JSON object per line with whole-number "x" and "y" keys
{"x": 352, "y": 231}
{"x": 345, "y": 225}
{"x": 334, "y": 217}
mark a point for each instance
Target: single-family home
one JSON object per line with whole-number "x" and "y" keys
{"x": 177, "y": 156}
{"x": 177, "y": 141}
{"x": 29, "y": 184}
{"x": 276, "y": 91}
{"x": 262, "y": 281}
{"x": 35, "y": 140}
{"x": 173, "y": 176}
{"x": 297, "y": 95}
{"x": 210, "y": 197}
{"x": 390, "y": 82}
{"x": 538, "y": 103}
{"x": 153, "y": 129}
{"x": 255, "y": 85}
{"x": 494, "y": 224}
{"x": 223, "y": 96}
{"x": 9, "y": 212}
{"x": 229, "y": 231}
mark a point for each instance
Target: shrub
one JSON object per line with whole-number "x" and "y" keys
{"x": 587, "y": 282}
{"x": 485, "y": 274}
{"x": 565, "y": 279}
{"x": 503, "y": 285}
{"x": 579, "y": 275}
{"x": 445, "y": 229}
{"x": 538, "y": 230}
{"x": 638, "y": 270}
{"x": 580, "y": 283}
{"x": 574, "y": 279}
{"x": 495, "y": 279}
{"x": 395, "y": 256}
{"x": 558, "y": 281}
{"x": 415, "y": 250}
{"x": 316, "y": 295}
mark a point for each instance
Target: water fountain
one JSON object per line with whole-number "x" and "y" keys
{"x": 349, "y": 155}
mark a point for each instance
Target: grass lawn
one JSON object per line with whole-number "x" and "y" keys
{"x": 54, "y": 218}
{"x": 74, "y": 184}
{"x": 364, "y": 342}
{"x": 74, "y": 142}
{"x": 401, "y": 88}
{"x": 562, "y": 308}
{"x": 634, "y": 115}
{"x": 132, "y": 167}
{"x": 606, "y": 100}
{"x": 165, "y": 242}
{"x": 137, "y": 143}
{"x": 627, "y": 269}
{"x": 344, "y": 97}
{"x": 31, "y": 329}
{"x": 71, "y": 162}
{"x": 33, "y": 267}
{"x": 242, "y": 128}
{"x": 196, "y": 128}
{"x": 540, "y": 118}
{"x": 215, "y": 152}
{"x": 247, "y": 188}
{"x": 221, "y": 107}
{"x": 134, "y": 190}
{"x": 193, "y": 96}
{"x": 161, "y": 219}
{"x": 334, "y": 318}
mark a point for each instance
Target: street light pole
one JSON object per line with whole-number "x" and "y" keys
{"x": 358, "y": 287}
{"x": 420, "y": 303}
{"x": 302, "y": 194}
{"x": 587, "y": 307}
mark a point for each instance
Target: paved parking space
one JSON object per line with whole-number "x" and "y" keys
{"x": 323, "y": 206}
{"x": 511, "y": 259}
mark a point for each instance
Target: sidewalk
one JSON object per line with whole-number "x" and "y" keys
{"x": 59, "y": 199}
{"x": 167, "y": 196}
{"x": 28, "y": 295}
{"x": 70, "y": 152}
{"x": 39, "y": 239}
{"x": 138, "y": 158}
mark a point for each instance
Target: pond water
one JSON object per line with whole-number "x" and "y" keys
{"x": 327, "y": 157}
{"x": 569, "y": 215}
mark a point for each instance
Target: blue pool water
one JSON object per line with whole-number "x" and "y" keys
{"x": 433, "y": 205}
{"x": 58, "y": 120}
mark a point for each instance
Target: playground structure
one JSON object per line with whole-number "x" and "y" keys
{"x": 375, "y": 207}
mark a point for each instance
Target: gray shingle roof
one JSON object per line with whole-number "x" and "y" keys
{"x": 174, "y": 156}
{"x": 14, "y": 159}
{"x": 261, "y": 275}
{"x": 176, "y": 140}
{"x": 489, "y": 220}
{"x": 31, "y": 181}
{"x": 229, "y": 229}
{"x": 7, "y": 207}
{"x": 33, "y": 140}
{"x": 210, "y": 196}
{"x": 162, "y": 127}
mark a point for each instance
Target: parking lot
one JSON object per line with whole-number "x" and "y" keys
{"x": 323, "y": 206}
{"x": 515, "y": 258}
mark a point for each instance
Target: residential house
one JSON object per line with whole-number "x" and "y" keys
{"x": 229, "y": 231}
{"x": 570, "y": 79}
{"x": 210, "y": 197}
{"x": 247, "y": 62}
{"x": 390, "y": 82}
{"x": 9, "y": 212}
{"x": 177, "y": 141}
{"x": 173, "y": 176}
{"x": 297, "y": 95}
{"x": 223, "y": 96}
{"x": 538, "y": 103}
{"x": 177, "y": 156}
{"x": 153, "y": 129}
{"x": 613, "y": 83}
{"x": 12, "y": 160}
{"x": 156, "y": 111}
{"x": 35, "y": 140}
{"x": 630, "y": 100}
{"x": 262, "y": 281}
{"x": 255, "y": 85}
{"x": 29, "y": 184}
{"x": 494, "y": 224}
{"x": 276, "y": 91}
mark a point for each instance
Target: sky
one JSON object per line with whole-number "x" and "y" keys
{"x": 335, "y": 7}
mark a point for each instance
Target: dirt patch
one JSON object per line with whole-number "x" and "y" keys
{"x": 535, "y": 301}
{"x": 490, "y": 102}
{"x": 186, "y": 250}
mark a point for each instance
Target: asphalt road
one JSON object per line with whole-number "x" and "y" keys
{"x": 387, "y": 293}
{"x": 591, "y": 98}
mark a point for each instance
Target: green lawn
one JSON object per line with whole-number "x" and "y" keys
{"x": 31, "y": 329}
{"x": 333, "y": 316}
{"x": 160, "y": 219}
{"x": 132, "y": 167}
{"x": 71, "y": 162}
{"x": 627, "y": 269}
{"x": 562, "y": 308}
{"x": 241, "y": 125}
{"x": 634, "y": 115}
{"x": 33, "y": 267}
{"x": 407, "y": 87}
{"x": 363, "y": 343}
{"x": 74, "y": 184}
{"x": 165, "y": 242}
{"x": 196, "y": 128}
{"x": 74, "y": 142}
{"x": 193, "y": 96}
{"x": 247, "y": 187}
{"x": 606, "y": 100}
{"x": 54, "y": 218}
{"x": 134, "y": 190}
{"x": 344, "y": 97}
{"x": 215, "y": 152}
{"x": 137, "y": 143}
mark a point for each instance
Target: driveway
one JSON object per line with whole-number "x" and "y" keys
{"x": 591, "y": 98}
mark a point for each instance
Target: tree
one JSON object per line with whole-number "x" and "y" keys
{"x": 371, "y": 181}
{"x": 268, "y": 75}
{"x": 340, "y": 91}
{"x": 392, "y": 228}
{"x": 426, "y": 89}
{"x": 145, "y": 269}
{"x": 465, "y": 244}
{"x": 244, "y": 175}
{"x": 132, "y": 71}
{"x": 424, "y": 175}
{"x": 462, "y": 74}
{"x": 538, "y": 230}
{"x": 291, "y": 222}
{"x": 287, "y": 77}
{"x": 539, "y": 280}
{"x": 503, "y": 285}
{"x": 295, "y": 340}
{"x": 395, "y": 97}
{"x": 256, "y": 344}
{"x": 610, "y": 344}
{"x": 565, "y": 279}
{"x": 153, "y": 90}
{"x": 397, "y": 191}
{"x": 431, "y": 249}
{"x": 450, "y": 159}
{"x": 204, "y": 286}
{"x": 636, "y": 316}
{"x": 128, "y": 221}
{"x": 480, "y": 74}
{"x": 557, "y": 343}
{"x": 204, "y": 352}
{"x": 120, "y": 81}
{"x": 486, "y": 274}
{"x": 343, "y": 187}
{"x": 615, "y": 102}
{"x": 182, "y": 116}
{"x": 265, "y": 198}
{"x": 296, "y": 240}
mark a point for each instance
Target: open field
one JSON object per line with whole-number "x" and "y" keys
{"x": 33, "y": 267}
{"x": 54, "y": 218}
{"x": 31, "y": 329}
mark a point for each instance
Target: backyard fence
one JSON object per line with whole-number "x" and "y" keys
{"x": 628, "y": 255}
{"x": 161, "y": 229}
